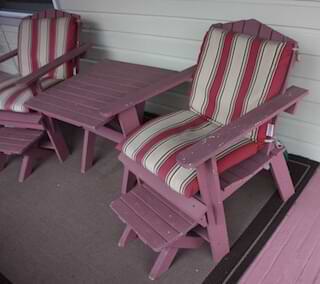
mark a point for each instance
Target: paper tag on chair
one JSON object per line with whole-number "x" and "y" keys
{"x": 269, "y": 132}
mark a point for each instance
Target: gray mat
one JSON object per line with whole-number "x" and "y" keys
{"x": 57, "y": 227}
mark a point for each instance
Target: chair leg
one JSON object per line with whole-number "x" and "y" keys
{"x": 129, "y": 181}
{"x": 127, "y": 235}
{"x": 87, "y": 150}
{"x": 163, "y": 262}
{"x": 282, "y": 177}
{"x": 57, "y": 140}
{"x": 3, "y": 160}
{"x": 211, "y": 194}
{"x": 26, "y": 167}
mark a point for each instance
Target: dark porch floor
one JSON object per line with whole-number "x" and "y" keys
{"x": 57, "y": 226}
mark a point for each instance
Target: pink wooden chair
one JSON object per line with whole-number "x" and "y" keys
{"x": 179, "y": 168}
{"x": 48, "y": 52}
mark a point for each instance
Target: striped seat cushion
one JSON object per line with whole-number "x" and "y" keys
{"x": 13, "y": 97}
{"x": 40, "y": 41}
{"x": 156, "y": 145}
{"x": 236, "y": 73}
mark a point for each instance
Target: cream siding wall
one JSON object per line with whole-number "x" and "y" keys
{"x": 168, "y": 34}
{"x": 8, "y": 41}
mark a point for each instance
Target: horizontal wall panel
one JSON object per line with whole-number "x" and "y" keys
{"x": 298, "y": 130}
{"x": 180, "y": 28}
{"x": 270, "y": 13}
{"x": 312, "y": 85}
{"x": 301, "y": 148}
{"x": 132, "y": 56}
{"x": 144, "y": 43}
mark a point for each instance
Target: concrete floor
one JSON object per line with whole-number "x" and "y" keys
{"x": 57, "y": 226}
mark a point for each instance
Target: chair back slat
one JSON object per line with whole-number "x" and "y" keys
{"x": 254, "y": 28}
{"x": 238, "y": 26}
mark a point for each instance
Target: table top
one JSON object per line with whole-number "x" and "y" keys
{"x": 79, "y": 99}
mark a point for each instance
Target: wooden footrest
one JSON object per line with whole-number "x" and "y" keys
{"x": 156, "y": 222}
{"x": 17, "y": 140}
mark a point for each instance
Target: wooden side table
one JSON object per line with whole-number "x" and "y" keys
{"x": 88, "y": 100}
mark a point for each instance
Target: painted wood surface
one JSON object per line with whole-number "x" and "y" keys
{"x": 292, "y": 255}
{"x": 156, "y": 222}
{"x": 16, "y": 141}
{"x": 106, "y": 86}
{"x": 169, "y": 33}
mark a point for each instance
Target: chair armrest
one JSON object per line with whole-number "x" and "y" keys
{"x": 34, "y": 76}
{"x": 226, "y": 136}
{"x": 148, "y": 92}
{"x": 8, "y": 55}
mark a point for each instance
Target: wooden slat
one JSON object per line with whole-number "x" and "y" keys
{"x": 154, "y": 220}
{"x": 117, "y": 80}
{"x": 86, "y": 94}
{"x": 265, "y": 32}
{"x": 16, "y": 140}
{"x": 238, "y": 27}
{"x": 13, "y": 141}
{"x": 173, "y": 218}
{"x": 26, "y": 134}
{"x": 151, "y": 218}
{"x": 81, "y": 100}
{"x": 143, "y": 230}
{"x": 10, "y": 149}
{"x": 252, "y": 27}
{"x": 72, "y": 106}
{"x": 30, "y": 118}
{"x": 64, "y": 115}
{"x": 109, "y": 84}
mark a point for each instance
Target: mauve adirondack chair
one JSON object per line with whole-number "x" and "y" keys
{"x": 48, "y": 52}
{"x": 179, "y": 168}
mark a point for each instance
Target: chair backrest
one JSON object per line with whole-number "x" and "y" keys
{"x": 240, "y": 66}
{"x": 44, "y": 36}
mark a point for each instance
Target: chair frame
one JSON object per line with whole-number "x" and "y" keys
{"x": 207, "y": 208}
{"x": 35, "y": 120}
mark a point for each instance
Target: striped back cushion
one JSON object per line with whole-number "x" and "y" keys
{"x": 42, "y": 40}
{"x": 236, "y": 73}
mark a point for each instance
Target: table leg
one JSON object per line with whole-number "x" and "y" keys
{"x": 26, "y": 167}
{"x": 129, "y": 121}
{"x": 56, "y": 139}
{"x": 3, "y": 160}
{"x": 140, "y": 110}
{"x": 89, "y": 140}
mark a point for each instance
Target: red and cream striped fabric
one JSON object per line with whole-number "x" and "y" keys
{"x": 40, "y": 41}
{"x": 13, "y": 97}
{"x": 156, "y": 145}
{"x": 236, "y": 73}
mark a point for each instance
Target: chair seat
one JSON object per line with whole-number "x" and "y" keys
{"x": 156, "y": 145}
{"x": 13, "y": 97}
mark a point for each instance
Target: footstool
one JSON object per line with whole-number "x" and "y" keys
{"x": 18, "y": 141}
